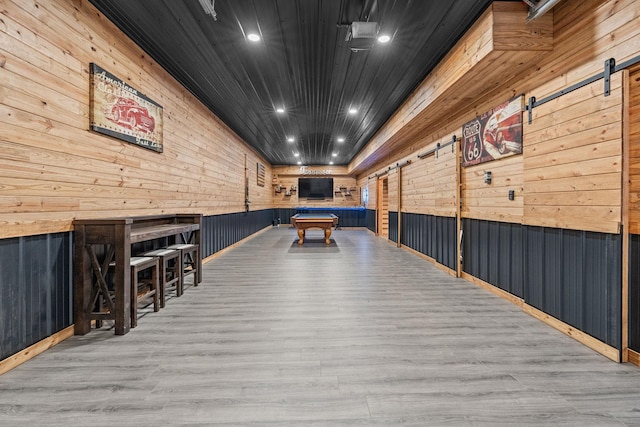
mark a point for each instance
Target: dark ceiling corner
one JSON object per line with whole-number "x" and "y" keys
{"x": 305, "y": 63}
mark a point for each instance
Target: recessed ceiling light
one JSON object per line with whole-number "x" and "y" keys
{"x": 384, "y": 38}
{"x": 330, "y": 163}
{"x": 334, "y": 154}
{"x": 253, "y": 37}
{"x": 279, "y": 110}
{"x": 353, "y": 110}
{"x": 290, "y": 139}
{"x": 296, "y": 154}
{"x": 340, "y": 139}
{"x": 299, "y": 163}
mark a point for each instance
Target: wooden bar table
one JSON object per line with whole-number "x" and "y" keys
{"x": 97, "y": 242}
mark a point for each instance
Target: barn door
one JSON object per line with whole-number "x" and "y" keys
{"x": 631, "y": 241}
{"x": 382, "y": 207}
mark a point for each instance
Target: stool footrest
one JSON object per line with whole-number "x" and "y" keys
{"x": 190, "y": 260}
{"x": 171, "y": 273}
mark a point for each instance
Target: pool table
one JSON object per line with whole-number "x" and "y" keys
{"x": 323, "y": 221}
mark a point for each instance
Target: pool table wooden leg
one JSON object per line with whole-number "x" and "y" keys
{"x": 300, "y": 236}
{"x": 327, "y": 234}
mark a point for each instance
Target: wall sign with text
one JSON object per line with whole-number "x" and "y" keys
{"x": 119, "y": 110}
{"x": 493, "y": 135}
{"x": 304, "y": 170}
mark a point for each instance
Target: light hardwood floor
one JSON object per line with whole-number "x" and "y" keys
{"x": 356, "y": 333}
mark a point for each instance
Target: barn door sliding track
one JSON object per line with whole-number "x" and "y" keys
{"x": 610, "y": 68}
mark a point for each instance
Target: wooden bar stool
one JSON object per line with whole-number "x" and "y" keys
{"x": 190, "y": 258}
{"x": 142, "y": 291}
{"x": 171, "y": 272}
{"x": 139, "y": 264}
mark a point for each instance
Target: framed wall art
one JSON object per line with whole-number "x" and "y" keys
{"x": 121, "y": 111}
{"x": 493, "y": 135}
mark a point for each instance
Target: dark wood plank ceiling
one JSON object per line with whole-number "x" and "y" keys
{"x": 302, "y": 63}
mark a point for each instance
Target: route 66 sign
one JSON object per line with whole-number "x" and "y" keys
{"x": 493, "y": 135}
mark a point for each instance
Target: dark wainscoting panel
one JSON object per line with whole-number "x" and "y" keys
{"x": 35, "y": 289}
{"x": 493, "y": 252}
{"x": 36, "y": 276}
{"x": 221, "y": 231}
{"x": 574, "y": 276}
{"x": 283, "y": 215}
{"x": 370, "y": 219}
{"x": 347, "y": 217}
{"x": 393, "y": 226}
{"x": 434, "y": 236}
{"x": 634, "y": 292}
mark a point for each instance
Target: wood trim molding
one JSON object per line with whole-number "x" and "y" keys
{"x": 431, "y": 260}
{"x": 33, "y": 228}
{"x": 633, "y": 357}
{"x": 583, "y": 338}
{"x": 32, "y": 351}
{"x": 458, "y": 208}
{"x": 399, "y": 202}
{"x": 236, "y": 244}
{"x": 625, "y": 204}
{"x": 493, "y": 289}
{"x": 586, "y": 339}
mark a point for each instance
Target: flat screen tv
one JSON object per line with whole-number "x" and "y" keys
{"x": 315, "y": 188}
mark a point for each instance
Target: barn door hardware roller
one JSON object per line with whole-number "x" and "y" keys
{"x": 399, "y": 165}
{"x": 610, "y": 68}
{"x": 439, "y": 146}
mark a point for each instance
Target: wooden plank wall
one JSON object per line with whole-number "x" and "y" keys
{"x": 382, "y": 206}
{"x": 287, "y": 176}
{"x": 53, "y": 169}
{"x": 491, "y": 201}
{"x": 571, "y": 166}
{"x": 392, "y": 193}
{"x": 370, "y": 184}
{"x": 429, "y": 184}
{"x": 373, "y": 194}
{"x": 573, "y": 161}
{"x": 496, "y": 48}
{"x": 571, "y": 175}
{"x": 634, "y": 152}
{"x": 585, "y": 35}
